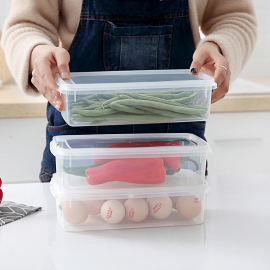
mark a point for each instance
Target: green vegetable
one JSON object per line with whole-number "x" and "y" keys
{"x": 167, "y": 113}
{"x": 95, "y": 112}
{"x": 159, "y": 105}
{"x": 124, "y": 117}
{"x": 170, "y": 96}
{"x": 136, "y": 107}
{"x": 127, "y": 109}
{"x": 79, "y": 171}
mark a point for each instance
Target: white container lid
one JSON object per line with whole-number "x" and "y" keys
{"x": 133, "y": 80}
{"x": 88, "y": 145}
{"x": 120, "y": 190}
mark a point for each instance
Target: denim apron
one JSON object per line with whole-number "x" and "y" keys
{"x": 126, "y": 35}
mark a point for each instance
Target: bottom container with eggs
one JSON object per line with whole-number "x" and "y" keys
{"x": 129, "y": 205}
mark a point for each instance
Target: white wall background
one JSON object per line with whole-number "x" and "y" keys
{"x": 258, "y": 64}
{"x": 4, "y": 10}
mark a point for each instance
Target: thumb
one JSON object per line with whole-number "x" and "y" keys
{"x": 62, "y": 58}
{"x": 199, "y": 58}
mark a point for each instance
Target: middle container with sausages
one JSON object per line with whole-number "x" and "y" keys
{"x": 87, "y": 161}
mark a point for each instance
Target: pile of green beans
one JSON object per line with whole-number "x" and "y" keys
{"x": 136, "y": 107}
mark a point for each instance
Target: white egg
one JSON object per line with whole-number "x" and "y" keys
{"x": 75, "y": 212}
{"x": 189, "y": 206}
{"x": 112, "y": 211}
{"x": 94, "y": 206}
{"x": 136, "y": 209}
{"x": 160, "y": 208}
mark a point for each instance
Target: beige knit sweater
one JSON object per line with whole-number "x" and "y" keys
{"x": 229, "y": 23}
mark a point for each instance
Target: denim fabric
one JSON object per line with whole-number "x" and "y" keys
{"x": 126, "y": 35}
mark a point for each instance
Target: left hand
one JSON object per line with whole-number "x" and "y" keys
{"x": 208, "y": 59}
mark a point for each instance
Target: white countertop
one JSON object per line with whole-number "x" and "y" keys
{"x": 234, "y": 235}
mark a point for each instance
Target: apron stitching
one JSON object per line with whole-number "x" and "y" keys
{"x": 188, "y": 27}
{"x": 77, "y": 37}
{"x": 168, "y": 54}
{"x": 108, "y": 64}
{"x": 156, "y": 52}
{"x": 121, "y": 18}
{"x": 47, "y": 170}
{"x": 44, "y": 175}
{"x": 42, "y": 179}
{"x": 121, "y": 53}
{"x": 165, "y": 35}
{"x": 104, "y": 46}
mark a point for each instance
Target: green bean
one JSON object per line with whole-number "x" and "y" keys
{"x": 170, "y": 96}
{"x": 199, "y": 107}
{"x": 89, "y": 107}
{"x": 189, "y": 99}
{"x": 145, "y": 97}
{"x": 124, "y": 96}
{"x": 125, "y": 117}
{"x": 110, "y": 100}
{"x": 97, "y": 105}
{"x": 109, "y": 96}
{"x": 77, "y": 108}
{"x": 89, "y": 97}
{"x": 95, "y": 112}
{"x": 127, "y": 109}
{"x": 174, "y": 102}
{"x": 159, "y": 105}
{"x": 96, "y": 122}
{"x": 167, "y": 113}
{"x": 77, "y": 103}
{"x": 89, "y": 101}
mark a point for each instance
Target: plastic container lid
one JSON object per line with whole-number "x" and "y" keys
{"x": 136, "y": 79}
{"x": 126, "y": 190}
{"x": 88, "y": 145}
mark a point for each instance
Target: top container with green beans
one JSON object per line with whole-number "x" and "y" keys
{"x": 135, "y": 97}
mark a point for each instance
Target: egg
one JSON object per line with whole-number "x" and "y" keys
{"x": 136, "y": 209}
{"x": 160, "y": 208}
{"x": 189, "y": 206}
{"x": 112, "y": 211}
{"x": 94, "y": 206}
{"x": 75, "y": 212}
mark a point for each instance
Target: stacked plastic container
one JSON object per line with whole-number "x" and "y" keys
{"x": 131, "y": 180}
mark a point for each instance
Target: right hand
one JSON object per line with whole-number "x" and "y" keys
{"x": 45, "y": 63}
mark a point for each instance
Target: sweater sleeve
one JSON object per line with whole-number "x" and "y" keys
{"x": 30, "y": 23}
{"x": 232, "y": 25}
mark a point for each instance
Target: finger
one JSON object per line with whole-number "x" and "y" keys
{"x": 222, "y": 90}
{"x": 45, "y": 81}
{"x": 62, "y": 58}
{"x": 44, "y": 77}
{"x": 222, "y": 67}
{"x": 199, "y": 58}
{"x": 50, "y": 95}
{"x": 44, "y": 70}
{"x": 219, "y": 98}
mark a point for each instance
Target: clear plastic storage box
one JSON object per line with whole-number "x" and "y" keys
{"x": 133, "y": 97}
{"x": 129, "y": 206}
{"x": 86, "y": 161}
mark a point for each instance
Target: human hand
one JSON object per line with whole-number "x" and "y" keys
{"x": 208, "y": 59}
{"x": 46, "y": 61}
